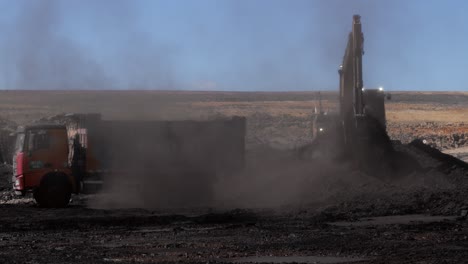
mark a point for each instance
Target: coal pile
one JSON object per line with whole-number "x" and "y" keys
{"x": 5, "y": 177}
{"x": 440, "y": 188}
{"x": 7, "y": 140}
{"x": 6, "y": 171}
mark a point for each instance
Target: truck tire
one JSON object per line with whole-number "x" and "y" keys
{"x": 54, "y": 191}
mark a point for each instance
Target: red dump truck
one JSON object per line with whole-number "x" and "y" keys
{"x": 81, "y": 152}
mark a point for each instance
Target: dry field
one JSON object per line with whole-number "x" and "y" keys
{"x": 280, "y": 119}
{"x": 403, "y": 107}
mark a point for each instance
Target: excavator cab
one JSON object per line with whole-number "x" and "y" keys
{"x": 374, "y": 104}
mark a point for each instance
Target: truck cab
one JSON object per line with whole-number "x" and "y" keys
{"x": 41, "y": 166}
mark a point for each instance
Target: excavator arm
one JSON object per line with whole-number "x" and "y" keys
{"x": 351, "y": 83}
{"x": 362, "y": 111}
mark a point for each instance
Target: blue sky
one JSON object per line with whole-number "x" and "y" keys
{"x": 241, "y": 45}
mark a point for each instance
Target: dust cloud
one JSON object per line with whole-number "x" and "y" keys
{"x": 38, "y": 55}
{"x": 186, "y": 176}
{"x": 269, "y": 179}
{"x": 45, "y": 60}
{"x": 53, "y": 44}
{"x": 174, "y": 173}
{"x": 157, "y": 164}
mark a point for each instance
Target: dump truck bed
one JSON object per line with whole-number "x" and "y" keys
{"x": 112, "y": 148}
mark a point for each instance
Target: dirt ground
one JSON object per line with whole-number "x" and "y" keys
{"x": 314, "y": 216}
{"x": 80, "y": 235}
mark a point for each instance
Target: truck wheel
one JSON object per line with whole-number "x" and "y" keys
{"x": 54, "y": 191}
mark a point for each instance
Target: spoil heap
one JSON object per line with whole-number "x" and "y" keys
{"x": 439, "y": 188}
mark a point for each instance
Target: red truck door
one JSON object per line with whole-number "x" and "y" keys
{"x": 46, "y": 150}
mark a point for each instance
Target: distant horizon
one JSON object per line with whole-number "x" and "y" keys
{"x": 218, "y": 91}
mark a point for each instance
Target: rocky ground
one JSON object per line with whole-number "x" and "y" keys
{"x": 81, "y": 235}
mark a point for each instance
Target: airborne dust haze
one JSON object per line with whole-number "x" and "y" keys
{"x": 56, "y": 44}
{"x": 40, "y": 56}
{"x": 44, "y": 58}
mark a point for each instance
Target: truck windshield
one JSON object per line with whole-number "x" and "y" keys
{"x": 38, "y": 139}
{"x": 19, "y": 142}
